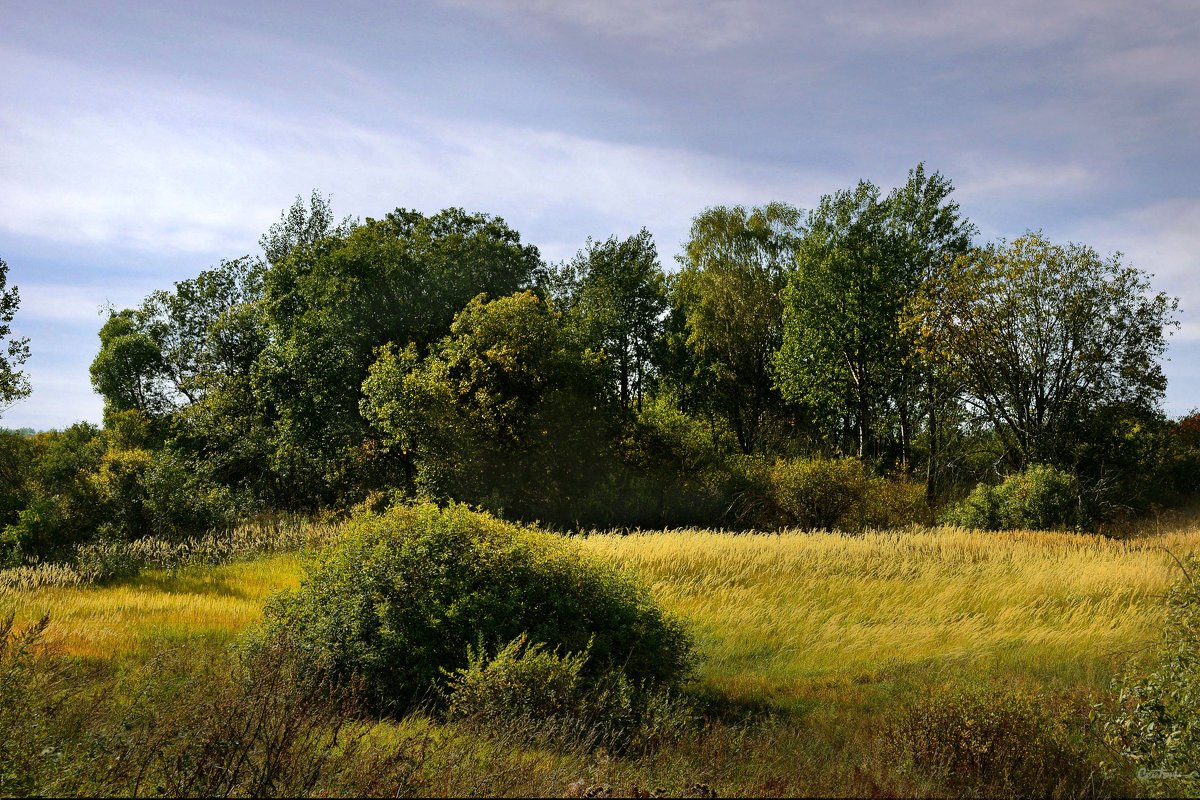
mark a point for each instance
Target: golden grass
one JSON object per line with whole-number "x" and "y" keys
{"x": 776, "y": 614}
{"x": 159, "y": 605}
{"x": 776, "y": 610}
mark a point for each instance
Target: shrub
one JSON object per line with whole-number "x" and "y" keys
{"x": 989, "y": 742}
{"x": 404, "y": 594}
{"x": 546, "y": 694}
{"x": 36, "y": 531}
{"x": 1154, "y": 719}
{"x": 843, "y": 494}
{"x": 24, "y": 691}
{"x": 522, "y": 679}
{"x": 1041, "y": 497}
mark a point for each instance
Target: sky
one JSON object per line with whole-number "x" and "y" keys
{"x": 143, "y": 142}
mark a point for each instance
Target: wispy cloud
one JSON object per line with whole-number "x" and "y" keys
{"x": 186, "y": 172}
{"x": 987, "y": 176}
{"x": 1162, "y": 238}
{"x": 670, "y": 25}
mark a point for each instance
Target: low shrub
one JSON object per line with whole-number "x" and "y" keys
{"x": 546, "y": 695}
{"x": 842, "y": 494}
{"x": 405, "y": 594}
{"x": 190, "y": 723}
{"x": 1153, "y": 720}
{"x": 25, "y": 690}
{"x": 990, "y": 742}
{"x": 1040, "y": 498}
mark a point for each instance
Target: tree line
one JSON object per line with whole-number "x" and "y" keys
{"x": 440, "y": 356}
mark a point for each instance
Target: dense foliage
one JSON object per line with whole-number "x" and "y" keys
{"x": 406, "y": 594}
{"x": 438, "y": 356}
{"x": 841, "y": 494}
{"x": 1039, "y": 498}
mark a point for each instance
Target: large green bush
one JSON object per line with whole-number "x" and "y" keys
{"x": 1040, "y": 498}
{"x": 842, "y": 494}
{"x": 406, "y": 594}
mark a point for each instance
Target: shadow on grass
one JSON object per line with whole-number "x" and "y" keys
{"x": 185, "y": 583}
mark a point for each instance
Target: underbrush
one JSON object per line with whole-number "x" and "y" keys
{"x": 1152, "y": 720}
{"x": 249, "y": 723}
{"x": 829, "y": 494}
{"x": 1039, "y": 498}
{"x": 545, "y": 697}
{"x": 184, "y": 724}
{"x": 993, "y": 742}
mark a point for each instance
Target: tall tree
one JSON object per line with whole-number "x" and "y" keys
{"x": 925, "y": 230}
{"x": 616, "y": 297}
{"x": 331, "y": 303}
{"x": 847, "y": 352}
{"x": 729, "y": 292}
{"x": 1046, "y": 336}
{"x": 840, "y": 307}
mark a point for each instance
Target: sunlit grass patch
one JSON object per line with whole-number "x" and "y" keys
{"x": 773, "y": 610}
{"x": 172, "y": 605}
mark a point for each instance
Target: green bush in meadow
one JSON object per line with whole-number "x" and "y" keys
{"x": 406, "y": 594}
{"x": 1039, "y": 498}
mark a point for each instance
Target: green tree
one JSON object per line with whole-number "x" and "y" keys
{"x": 177, "y": 345}
{"x": 1045, "y": 336}
{"x": 501, "y": 413}
{"x": 847, "y": 352}
{"x": 14, "y": 385}
{"x": 840, "y": 307}
{"x": 925, "y": 230}
{"x": 330, "y": 304}
{"x": 615, "y": 294}
{"x": 729, "y": 295}
{"x": 128, "y": 369}
{"x": 303, "y": 226}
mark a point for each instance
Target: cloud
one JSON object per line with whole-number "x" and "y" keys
{"x": 980, "y": 175}
{"x": 672, "y": 25}
{"x": 59, "y": 398}
{"x": 75, "y": 303}
{"x": 170, "y": 169}
{"x": 1019, "y": 24}
{"x": 1162, "y": 238}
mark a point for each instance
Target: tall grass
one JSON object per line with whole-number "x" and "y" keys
{"x": 829, "y": 644}
{"x": 773, "y": 609}
{"x": 101, "y": 561}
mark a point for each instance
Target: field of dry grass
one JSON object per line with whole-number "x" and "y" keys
{"x": 820, "y": 641}
{"x": 775, "y": 609}
{"x": 769, "y": 609}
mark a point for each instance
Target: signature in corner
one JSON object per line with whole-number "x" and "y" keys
{"x": 1162, "y": 773}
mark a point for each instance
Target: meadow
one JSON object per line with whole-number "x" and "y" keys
{"x": 812, "y": 646}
